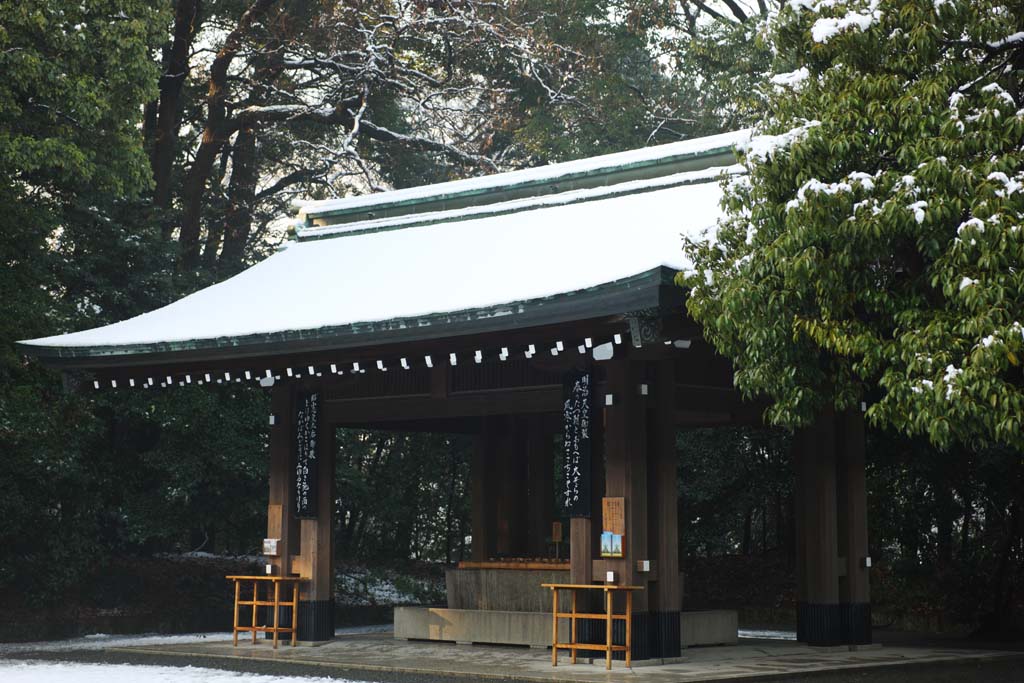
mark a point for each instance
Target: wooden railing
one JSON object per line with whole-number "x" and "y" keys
{"x": 256, "y": 603}
{"x": 608, "y": 617}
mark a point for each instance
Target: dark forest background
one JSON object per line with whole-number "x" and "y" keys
{"x": 148, "y": 149}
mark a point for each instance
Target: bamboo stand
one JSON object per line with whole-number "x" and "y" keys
{"x": 608, "y": 616}
{"x": 255, "y": 603}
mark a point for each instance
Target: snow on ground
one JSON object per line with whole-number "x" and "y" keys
{"x": 102, "y": 641}
{"x": 362, "y": 586}
{"x": 767, "y": 634}
{"x": 14, "y": 671}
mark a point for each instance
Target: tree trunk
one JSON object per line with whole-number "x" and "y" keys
{"x": 216, "y": 133}
{"x": 168, "y": 110}
{"x": 241, "y": 197}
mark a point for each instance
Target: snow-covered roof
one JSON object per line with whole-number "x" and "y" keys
{"x": 401, "y": 274}
{"x": 604, "y": 169}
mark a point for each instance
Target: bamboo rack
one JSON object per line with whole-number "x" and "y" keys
{"x": 256, "y": 603}
{"x": 609, "y": 617}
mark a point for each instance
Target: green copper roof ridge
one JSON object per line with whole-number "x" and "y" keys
{"x": 536, "y": 182}
{"x": 417, "y": 220}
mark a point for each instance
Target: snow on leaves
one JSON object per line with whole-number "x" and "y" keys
{"x": 878, "y": 251}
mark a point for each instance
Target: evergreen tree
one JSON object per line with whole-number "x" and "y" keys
{"x": 873, "y": 251}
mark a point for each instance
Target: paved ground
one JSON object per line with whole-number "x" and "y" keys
{"x": 378, "y": 657}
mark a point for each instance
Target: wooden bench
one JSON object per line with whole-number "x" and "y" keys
{"x": 608, "y": 616}
{"x": 256, "y": 603}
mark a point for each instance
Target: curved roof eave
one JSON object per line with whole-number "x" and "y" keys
{"x": 642, "y": 291}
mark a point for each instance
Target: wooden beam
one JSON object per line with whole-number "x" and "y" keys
{"x": 531, "y": 400}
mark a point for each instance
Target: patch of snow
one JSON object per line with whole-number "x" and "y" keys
{"x": 800, "y": 5}
{"x": 975, "y": 223}
{"x": 1008, "y": 40}
{"x": 15, "y": 671}
{"x": 102, "y": 641}
{"x": 918, "y": 208}
{"x": 362, "y": 587}
{"x": 203, "y": 555}
{"x": 952, "y": 372}
{"x": 792, "y": 79}
{"x": 1010, "y": 185}
{"x": 826, "y": 28}
{"x": 764, "y": 147}
{"x": 767, "y": 634}
{"x": 866, "y": 180}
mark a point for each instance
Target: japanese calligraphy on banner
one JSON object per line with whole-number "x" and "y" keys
{"x": 577, "y": 417}
{"x": 307, "y": 432}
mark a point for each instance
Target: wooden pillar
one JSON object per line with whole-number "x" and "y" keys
{"x": 280, "y": 508}
{"x": 305, "y": 546}
{"x": 316, "y": 604}
{"x": 665, "y": 599}
{"x": 483, "y": 477}
{"x": 626, "y": 476}
{"x": 854, "y": 586}
{"x": 625, "y": 440}
{"x": 800, "y": 446}
{"x": 540, "y": 495}
{"x": 513, "y": 523}
{"x": 585, "y": 532}
{"x": 817, "y": 454}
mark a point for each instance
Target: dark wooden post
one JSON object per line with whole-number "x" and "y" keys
{"x": 280, "y": 508}
{"x": 483, "y": 477}
{"x": 625, "y": 439}
{"x": 585, "y": 532}
{"x": 800, "y": 446}
{"x": 510, "y": 451}
{"x": 541, "y": 481}
{"x": 854, "y": 587}
{"x": 817, "y": 460}
{"x": 665, "y": 591}
{"x": 316, "y": 606}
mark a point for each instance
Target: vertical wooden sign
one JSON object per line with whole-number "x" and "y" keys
{"x": 577, "y": 418}
{"x": 307, "y": 433}
{"x": 613, "y": 527}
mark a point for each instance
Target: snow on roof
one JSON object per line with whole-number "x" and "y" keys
{"x": 603, "y": 193}
{"x": 430, "y": 263}
{"x": 533, "y": 176}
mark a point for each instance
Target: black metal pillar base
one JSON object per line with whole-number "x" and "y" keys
{"x": 655, "y": 635}
{"x": 821, "y": 624}
{"x": 856, "y": 623}
{"x": 666, "y": 634}
{"x": 316, "y": 620}
{"x": 843, "y": 624}
{"x": 284, "y": 618}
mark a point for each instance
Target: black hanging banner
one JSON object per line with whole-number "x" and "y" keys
{"x": 307, "y": 432}
{"x": 577, "y": 416}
